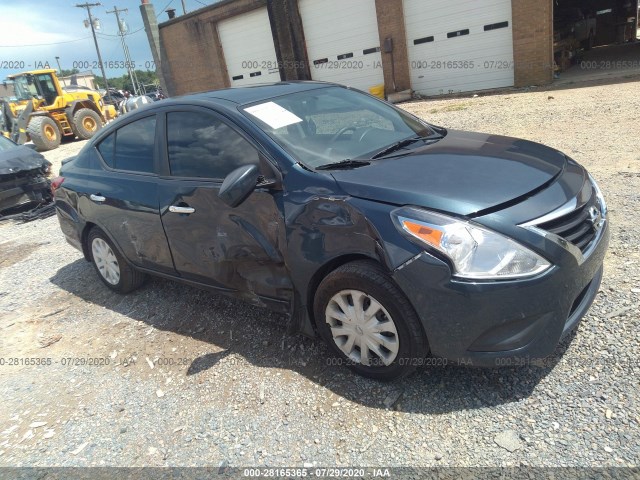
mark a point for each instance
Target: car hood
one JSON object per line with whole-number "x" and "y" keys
{"x": 20, "y": 159}
{"x": 464, "y": 173}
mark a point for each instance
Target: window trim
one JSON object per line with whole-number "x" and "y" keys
{"x": 104, "y": 164}
{"x": 166, "y": 165}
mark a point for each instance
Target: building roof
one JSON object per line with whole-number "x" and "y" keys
{"x": 85, "y": 74}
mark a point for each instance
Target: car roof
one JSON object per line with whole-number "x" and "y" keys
{"x": 226, "y": 99}
{"x": 255, "y": 93}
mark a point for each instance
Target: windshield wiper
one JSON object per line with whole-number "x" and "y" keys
{"x": 397, "y": 146}
{"x": 344, "y": 164}
{"x": 403, "y": 143}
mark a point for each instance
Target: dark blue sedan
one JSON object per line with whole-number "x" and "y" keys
{"x": 387, "y": 236}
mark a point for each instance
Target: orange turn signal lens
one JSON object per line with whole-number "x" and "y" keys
{"x": 427, "y": 234}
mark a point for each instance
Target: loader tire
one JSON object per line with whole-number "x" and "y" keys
{"x": 86, "y": 123}
{"x": 44, "y": 133}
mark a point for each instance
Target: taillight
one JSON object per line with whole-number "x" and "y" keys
{"x": 56, "y": 183}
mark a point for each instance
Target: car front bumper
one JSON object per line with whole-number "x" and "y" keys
{"x": 15, "y": 192}
{"x": 490, "y": 324}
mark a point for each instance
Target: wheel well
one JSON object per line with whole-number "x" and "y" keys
{"x": 78, "y": 104}
{"x": 85, "y": 236}
{"x": 325, "y": 270}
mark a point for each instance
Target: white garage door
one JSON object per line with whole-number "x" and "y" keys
{"x": 459, "y": 46}
{"x": 342, "y": 41}
{"x": 248, "y": 48}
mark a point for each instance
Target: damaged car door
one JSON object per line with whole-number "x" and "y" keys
{"x": 124, "y": 197}
{"x": 234, "y": 249}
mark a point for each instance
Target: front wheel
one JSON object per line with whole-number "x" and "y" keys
{"x": 44, "y": 133}
{"x": 112, "y": 268}
{"x": 368, "y": 322}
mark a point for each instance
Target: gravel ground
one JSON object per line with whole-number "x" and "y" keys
{"x": 189, "y": 378}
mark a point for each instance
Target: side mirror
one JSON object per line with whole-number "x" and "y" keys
{"x": 238, "y": 185}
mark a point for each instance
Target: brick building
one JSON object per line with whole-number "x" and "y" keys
{"x": 432, "y": 47}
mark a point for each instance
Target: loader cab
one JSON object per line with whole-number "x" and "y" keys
{"x": 41, "y": 85}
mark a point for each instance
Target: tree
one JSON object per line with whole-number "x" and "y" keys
{"x": 124, "y": 82}
{"x": 68, "y": 73}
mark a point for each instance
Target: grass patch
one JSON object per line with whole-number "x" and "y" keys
{"x": 456, "y": 107}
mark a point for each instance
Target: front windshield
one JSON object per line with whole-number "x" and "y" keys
{"x": 24, "y": 90}
{"x": 328, "y": 125}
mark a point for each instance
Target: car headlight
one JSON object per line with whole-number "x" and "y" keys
{"x": 475, "y": 252}
{"x": 599, "y": 196}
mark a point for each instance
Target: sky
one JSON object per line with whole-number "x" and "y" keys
{"x": 34, "y": 32}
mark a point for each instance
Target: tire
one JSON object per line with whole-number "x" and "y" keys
{"x": 86, "y": 123}
{"x": 588, "y": 43}
{"x": 112, "y": 268}
{"x": 365, "y": 283}
{"x": 44, "y": 133}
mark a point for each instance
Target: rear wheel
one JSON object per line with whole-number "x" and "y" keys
{"x": 112, "y": 268}
{"x": 44, "y": 133}
{"x": 86, "y": 123}
{"x": 368, "y": 322}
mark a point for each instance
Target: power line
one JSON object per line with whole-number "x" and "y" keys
{"x": 126, "y": 34}
{"x": 95, "y": 40}
{"x": 43, "y": 44}
{"x": 125, "y": 49}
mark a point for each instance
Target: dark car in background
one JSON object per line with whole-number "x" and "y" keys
{"x": 387, "y": 236}
{"x": 575, "y": 23}
{"x": 23, "y": 176}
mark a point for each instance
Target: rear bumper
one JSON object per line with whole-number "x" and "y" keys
{"x": 501, "y": 323}
{"x": 70, "y": 224}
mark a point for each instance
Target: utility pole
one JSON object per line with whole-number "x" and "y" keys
{"x": 95, "y": 40}
{"x": 125, "y": 49}
{"x": 184, "y": 9}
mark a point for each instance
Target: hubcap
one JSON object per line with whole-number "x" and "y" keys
{"x": 106, "y": 261}
{"x": 362, "y": 328}
{"x": 50, "y": 132}
{"x": 89, "y": 124}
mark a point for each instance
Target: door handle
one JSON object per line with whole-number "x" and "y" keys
{"x": 185, "y": 210}
{"x": 97, "y": 198}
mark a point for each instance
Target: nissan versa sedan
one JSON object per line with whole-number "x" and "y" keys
{"x": 390, "y": 238}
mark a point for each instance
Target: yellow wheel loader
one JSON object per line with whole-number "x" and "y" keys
{"x": 45, "y": 113}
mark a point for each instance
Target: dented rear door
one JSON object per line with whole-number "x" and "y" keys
{"x": 121, "y": 196}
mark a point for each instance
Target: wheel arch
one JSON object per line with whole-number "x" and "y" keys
{"x": 325, "y": 270}
{"x": 76, "y": 105}
{"x": 84, "y": 239}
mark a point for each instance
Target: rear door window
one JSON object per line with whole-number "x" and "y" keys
{"x": 135, "y": 146}
{"x": 107, "y": 149}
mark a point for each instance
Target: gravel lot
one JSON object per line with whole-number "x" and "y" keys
{"x": 189, "y": 378}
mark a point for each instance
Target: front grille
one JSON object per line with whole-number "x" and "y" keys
{"x": 576, "y": 227}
